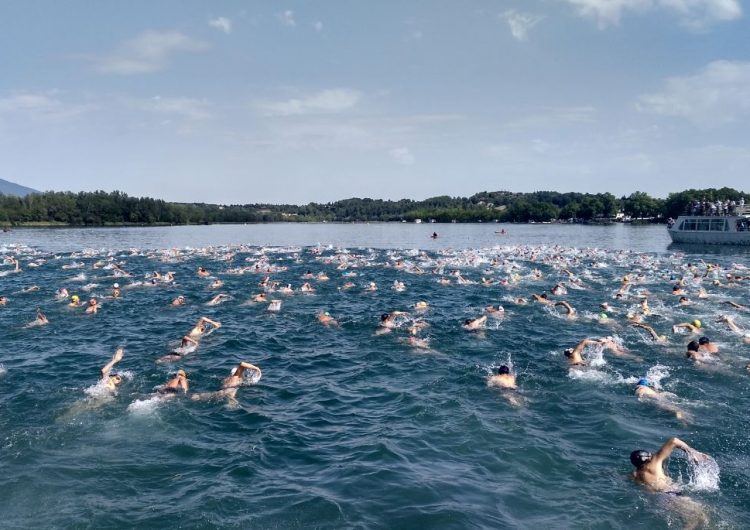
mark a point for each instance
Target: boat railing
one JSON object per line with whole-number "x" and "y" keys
{"x": 713, "y": 212}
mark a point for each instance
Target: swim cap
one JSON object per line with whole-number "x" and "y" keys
{"x": 568, "y": 352}
{"x": 182, "y": 373}
{"x": 75, "y": 298}
{"x": 692, "y": 346}
{"x": 639, "y": 457}
{"x": 603, "y": 316}
{"x": 642, "y": 382}
{"x": 703, "y": 340}
{"x": 384, "y": 316}
{"x": 697, "y": 323}
{"x": 503, "y": 370}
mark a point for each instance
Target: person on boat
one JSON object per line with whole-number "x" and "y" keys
{"x": 110, "y": 380}
{"x": 202, "y": 327}
{"x": 649, "y": 468}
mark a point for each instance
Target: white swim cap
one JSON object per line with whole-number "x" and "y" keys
{"x": 116, "y": 286}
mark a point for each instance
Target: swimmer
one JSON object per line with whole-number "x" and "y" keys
{"x": 650, "y": 467}
{"x": 219, "y": 298}
{"x": 231, "y": 383}
{"x": 473, "y": 324}
{"x": 62, "y": 293}
{"x": 326, "y": 319}
{"x": 92, "y": 307}
{"x": 693, "y": 326}
{"x": 307, "y": 288}
{"x": 389, "y": 321}
{"x": 110, "y": 380}
{"x": 187, "y": 346}
{"x": 735, "y": 305}
{"x": 705, "y": 345}
{"x": 651, "y": 331}
{"x": 569, "y": 310}
{"x": 201, "y": 327}
{"x": 41, "y": 319}
{"x": 203, "y": 273}
{"x": 643, "y": 390}
{"x": 180, "y": 300}
{"x": 274, "y": 306}
{"x": 3, "y": 300}
{"x": 694, "y": 352}
{"x": 287, "y": 289}
{"x": 732, "y": 325}
{"x": 495, "y": 312}
{"x": 75, "y": 301}
{"x": 371, "y": 287}
{"x": 421, "y": 305}
{"x": 574, "y": 354}
{"x": 216, "y": 284}
{"x": 260, "y": 298}
{"x": 677, "y": 290}
{"x": 503, "y": 379}
{"x": 541, "y": 298}
{"x": 174, "y": 385}
{"x": 116, "y": 290}
{"x": 684, "y": 301}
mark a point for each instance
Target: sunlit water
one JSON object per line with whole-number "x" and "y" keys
{"x": 349, "y": 429}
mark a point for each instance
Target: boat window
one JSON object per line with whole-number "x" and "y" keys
{"x": 718, "y": 225}
{"x": 682, "y": 225}
{"x": 703, "y": 225}
{"x": 743, "y": 225}
{"x": 689, "y": 224}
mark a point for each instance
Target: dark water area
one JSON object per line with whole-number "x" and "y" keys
{"x": 348, "y": 428}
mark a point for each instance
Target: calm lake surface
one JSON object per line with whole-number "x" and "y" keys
{"x": 348, "y": 428}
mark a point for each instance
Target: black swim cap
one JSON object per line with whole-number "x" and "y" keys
{"x": 503, "y": 370}
{"x": 639, "y": 457}
{"x": 703, "y": 340}
{"x": 568, "y": 352}
{"x": 692, "y": 346}
{"x": 467, "y": 321}
{"x": 384, "y": 316}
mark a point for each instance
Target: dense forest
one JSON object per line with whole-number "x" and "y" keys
{"x": 101, "y": 208}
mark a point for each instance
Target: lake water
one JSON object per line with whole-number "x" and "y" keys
{"x": 348, "y": 428}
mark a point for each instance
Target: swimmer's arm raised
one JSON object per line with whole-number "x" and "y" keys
{"x": 116, "y": 358}
{"x": 212, "y": 322}
{"x": 666, "y": 450}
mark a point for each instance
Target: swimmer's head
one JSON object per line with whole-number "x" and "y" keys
{"x": 697, "y": 323}
{"x": 503, "y": 370}
{"x": 181, "y": 373}
{"x": 703, "y": 341}
{"x": 640, "y": 457}
{"x": 116, "y": 286}
{"x": 642, "y": 382}
{"x": 676, "y": 288}
{"x": 692, "y": 346}
{"x": 384, "y": 317}
{"x": 467, "y": 321}
{"x": 569, "y": 352}
{"x": 74, "y": 298}
{"x": 603, "y": 316}
{"x": 115, "y": 379}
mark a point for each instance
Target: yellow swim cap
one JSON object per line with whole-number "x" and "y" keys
{"x": 182, "y": 373}
{"x": 75, "y": 298}
{"x": 697, "y": 323}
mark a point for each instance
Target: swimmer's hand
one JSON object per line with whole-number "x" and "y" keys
{"x": 118, "y": 355}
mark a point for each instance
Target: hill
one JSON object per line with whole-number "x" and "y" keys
{"x": 10, "y": 188}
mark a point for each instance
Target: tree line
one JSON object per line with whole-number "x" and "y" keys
{"x": 116, "y": 208}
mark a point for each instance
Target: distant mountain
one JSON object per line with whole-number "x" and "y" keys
{"x": 9, "y": 188}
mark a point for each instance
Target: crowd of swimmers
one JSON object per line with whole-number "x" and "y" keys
{"x": 629, "y": 305}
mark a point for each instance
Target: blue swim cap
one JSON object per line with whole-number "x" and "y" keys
{"x": 643, "y": 382}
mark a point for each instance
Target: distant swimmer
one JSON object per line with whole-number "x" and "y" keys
{"x": 75, "y": 301}
{"x": 732, "y": 325}
{"x": 434, "y": 235}
{"x": 326, "y": 319}
{"x": 503, "y": 378}
{"x": 180, "y": 300}
{"x": 735, "y": 305}
{"x": 203, "y": 326}
{"x": 307, "y": 288}
{"x": 371, "y": 287}
{"x": 203, "y": 273}
{"x": 218, "y": 299}
{"x": 644, "y": 390}
{"x": 116, "y": 291}
{"x": 3, "y": 300}
{"x": 40, "y": 320}
{"x": 705, "y": 345}
{"x": 389, "y": 321}
{"x": 216, "y": 284}
{"x": 112, "y": 381}
{"x": 495, "y": 311}
{"x": 260, "y": 298}
{"x": 541, "y": 298}
{"x": 421, "y": 306}
{"x": 574, "y": 354}
{"x": 187, "y": 345}
{"x": 570, "y": 312}
{"x": 473, "y": 324}
{"x": 692, "y": 327}
{"x": 231, "y": 383}
{"x": 92, "y": 307}
{"x": 654, "y": 335}
{"x": 174, "y": 385}
{"x": 649, "y": 468}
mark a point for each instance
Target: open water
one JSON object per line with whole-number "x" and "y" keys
{"x": 348, "y": 428}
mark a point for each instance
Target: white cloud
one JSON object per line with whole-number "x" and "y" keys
{"x": 695, "y": 14}
{"x": 192, "y": 109}
{"x": 318, "y": 26}
{"x": 520, "y": 23}
{"x": 287, "y": 18}
{"x": 222, "y": 24}
{"x": 402, "y": 155}
{"x": 720, "y": 93}
{"x": 147, "y": 52}
{"x": 41, "y": 105}
{"x": 323, "y": 102}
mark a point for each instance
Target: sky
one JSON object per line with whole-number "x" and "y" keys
{"x": 291, "y": 102}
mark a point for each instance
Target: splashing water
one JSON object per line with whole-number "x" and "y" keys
{"x": 703, "y": 474}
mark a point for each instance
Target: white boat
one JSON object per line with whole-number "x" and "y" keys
{"x": 731, "y": 229}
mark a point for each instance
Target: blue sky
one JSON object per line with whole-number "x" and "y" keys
{"x": 292, "y": 102}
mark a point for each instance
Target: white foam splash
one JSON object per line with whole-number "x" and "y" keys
{"x": 703, "y": 474}
{"x": 144, "y": 407}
